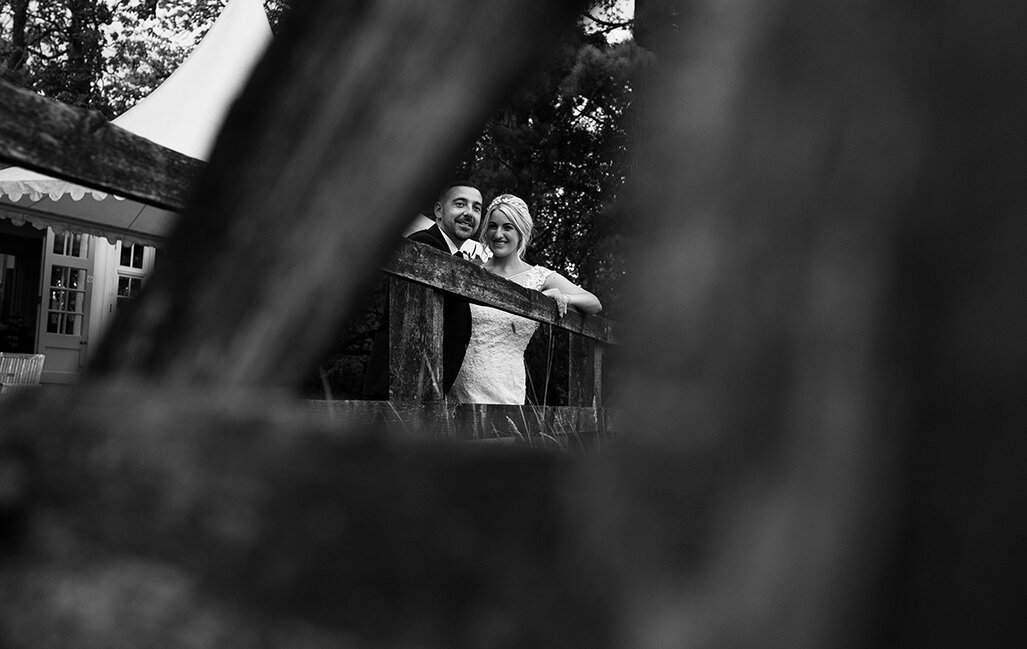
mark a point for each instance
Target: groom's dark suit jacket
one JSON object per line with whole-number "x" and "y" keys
{"x": 456, "y": 331}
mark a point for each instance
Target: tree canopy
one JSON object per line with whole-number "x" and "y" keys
{"x": 102, "y": 54}
{"x": 561, "y": 144}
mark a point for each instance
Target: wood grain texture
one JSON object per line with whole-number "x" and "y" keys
{"x": 585, "y": 372}
{"x": 274, "y": 515}
{"x": 415, "y": 342}
{"x": 825, "y": 186}
{"x": 81, "y": 146}
{"x": 431, "y": 267}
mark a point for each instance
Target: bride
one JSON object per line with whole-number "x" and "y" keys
{"x": 493, "y": 367}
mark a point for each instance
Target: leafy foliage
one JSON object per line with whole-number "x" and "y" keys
{"x": 102, "y": 54}
{"x": 157, "y": 39}
{"x": 55, "y": 48}
{"x": 561, "y": 144}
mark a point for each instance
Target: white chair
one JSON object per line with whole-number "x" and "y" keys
{"x": 19, "y": 371}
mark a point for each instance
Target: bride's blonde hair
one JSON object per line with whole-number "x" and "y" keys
{"x": 516, "y": 210}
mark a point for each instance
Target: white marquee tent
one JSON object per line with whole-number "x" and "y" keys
{"x": 184, "y": 113}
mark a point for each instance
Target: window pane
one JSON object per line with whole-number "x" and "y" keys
{"x": 67, "y": 301}
{"x": 76, "y": 301}
{"x": 58, "y": 300}
{"x": 132, "y": 255}
{"x": 70, "y": 245}
{"x": 66, "y": 277}
{"x": 58, "y": 276}
{"x": 128, "y": 287}
{"x": 72, "y": 325}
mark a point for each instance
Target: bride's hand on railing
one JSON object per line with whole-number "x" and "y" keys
{"x": 562, "y": 299}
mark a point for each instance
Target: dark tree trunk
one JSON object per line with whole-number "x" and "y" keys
{"x": 16, "y": 57}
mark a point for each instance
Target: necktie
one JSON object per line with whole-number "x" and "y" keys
{"x": 459, "y": 253}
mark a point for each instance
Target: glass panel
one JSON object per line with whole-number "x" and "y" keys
{"x": 128, "y": 287}
{"x": 67, "y": 277}
{"x": 76, "y": 301}
{"x": 58, "y": 300}
{"x": 67, "y": 301}
{"x": 68, "y": 325}
{"x": 70, "y": 245}
{"x": 59, "y": 276}
{"x": 132, "y": 255}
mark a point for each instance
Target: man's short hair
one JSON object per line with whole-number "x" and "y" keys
{"x": 459, "y": 183}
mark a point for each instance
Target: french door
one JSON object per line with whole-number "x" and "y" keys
{"x": 67, "y": 286}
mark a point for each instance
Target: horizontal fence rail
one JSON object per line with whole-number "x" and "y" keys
{"x": 430, "y": 267}
{"x": 81, "y": 146}
{"x": 419, "y": 275}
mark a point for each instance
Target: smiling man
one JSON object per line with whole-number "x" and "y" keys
{"x": 457, "y": 217}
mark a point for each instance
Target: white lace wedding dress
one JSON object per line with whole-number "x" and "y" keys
{"x": 493, "y": 368}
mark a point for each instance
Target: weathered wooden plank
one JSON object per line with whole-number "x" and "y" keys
{"x": 823, "y": 347}
{"x": 349, "y": 124}
{"x": 75, "y": 596}
{"x": 585, "y": 372}
{"x": 431, "y": 267}
{"x": 81, "y": 146}
{"x": 270, "y": 506}
{"x": 415, "y": 342}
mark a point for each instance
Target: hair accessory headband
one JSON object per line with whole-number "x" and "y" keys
{"x": 512, "y": 201}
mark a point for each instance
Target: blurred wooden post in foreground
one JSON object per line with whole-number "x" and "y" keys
{"x": 825, "y": 362}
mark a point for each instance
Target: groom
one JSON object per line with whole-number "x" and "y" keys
{"x": 457, "y": 217}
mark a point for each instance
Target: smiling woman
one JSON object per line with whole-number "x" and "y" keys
{"x": 502, "y": 232}
{"x": 493, "y": 366}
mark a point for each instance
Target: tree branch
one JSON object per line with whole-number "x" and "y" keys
{"x": 625, "y": 24}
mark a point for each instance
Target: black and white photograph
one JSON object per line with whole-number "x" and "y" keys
{"x": 513, "y": 324}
